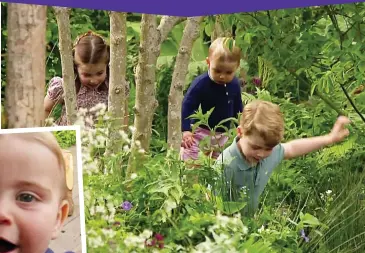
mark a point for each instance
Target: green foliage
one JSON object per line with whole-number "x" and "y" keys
{"x": 319, "y": 196}
{"x": 65, "y": 138}
{"x": 302, "y": 57}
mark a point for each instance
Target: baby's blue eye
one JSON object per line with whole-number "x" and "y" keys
{"x": 25, "y": 197}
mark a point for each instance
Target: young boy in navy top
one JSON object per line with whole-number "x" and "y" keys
{"x": 218, "y": 88}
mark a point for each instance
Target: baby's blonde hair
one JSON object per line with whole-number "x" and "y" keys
{"x": 220, "y": 51}
{"x": 48, "y": 140}
{"x": 264, "y": 119}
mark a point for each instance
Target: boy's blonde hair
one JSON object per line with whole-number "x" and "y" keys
{"x": 264, "y": 119}
{"x": 48, "y": 140}
{"x": 220, "y": 51}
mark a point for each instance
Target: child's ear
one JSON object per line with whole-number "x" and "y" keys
{"x": 208, "y": 61}
{"x": 61, "y": 218}
{"x": 239, "y": 131}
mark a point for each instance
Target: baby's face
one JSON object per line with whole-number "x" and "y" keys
{"x": 222, "y": 72}
{"x": 31, "y": 209}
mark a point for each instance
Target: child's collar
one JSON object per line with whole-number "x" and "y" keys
{"x": 242, "y": 155}
{"x": 211, "y": 78}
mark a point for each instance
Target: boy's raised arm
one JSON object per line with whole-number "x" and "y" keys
{"x": 304, "y": 146}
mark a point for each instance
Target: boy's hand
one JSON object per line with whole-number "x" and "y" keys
{"x": 339, "y": 130}
{"x": 187, "y": 139}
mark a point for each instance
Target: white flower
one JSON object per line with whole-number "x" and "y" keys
{"x": 108, "y": 232}
{"x": 100, "y": 209}
{"x": 96, "y": 242}
{"x": 133, "y": 176}
{"x": 328, "y": 192}
{"x": 132, "y": 129}
{"x": 125, "y": 148}
{"x": 261, "y": 229}
{"x": 245, "y": 230}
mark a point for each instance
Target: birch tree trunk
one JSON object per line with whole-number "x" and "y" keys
{"x": 146, "y": 103}
{"x": 65, "y": 43}
{"x": 117, "y": 80}
{"x": 26, "y": 70}
{"x": 190, "y": 34}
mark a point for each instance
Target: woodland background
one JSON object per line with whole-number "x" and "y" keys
{"x": 310, "y": 61}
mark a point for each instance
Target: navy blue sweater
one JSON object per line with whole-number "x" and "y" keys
{"x": 226, "y": 100}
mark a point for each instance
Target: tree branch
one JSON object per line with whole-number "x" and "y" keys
{"x": 166, "y": 25}
{"x": 352, "y": 103}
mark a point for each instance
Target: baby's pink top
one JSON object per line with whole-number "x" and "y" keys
{"x": 86, "y": 98}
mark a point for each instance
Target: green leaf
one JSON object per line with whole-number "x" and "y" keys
{"x": 229, "y": 207}
{"x": 309, "y": 219}
{"x": 209, "y": 29}
{"x": 361, "y": 66}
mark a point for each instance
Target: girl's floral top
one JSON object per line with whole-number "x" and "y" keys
{"x": 86, "y": 98}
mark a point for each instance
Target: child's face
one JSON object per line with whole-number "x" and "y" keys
{"x": 222, "y": 72}
{"x": 31, "y": 209}
{"x": 92, "y": 75}
{"x": 253, "y": 147}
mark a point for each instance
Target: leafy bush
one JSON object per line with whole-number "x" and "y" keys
{"x": 65, "y": 138}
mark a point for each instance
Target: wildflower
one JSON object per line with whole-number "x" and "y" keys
{"x": 159, "y": 237}
{"x": 125, "y": 148}
{"x": 133, "y": 176}
{"x": 157, "y": 240}
{"x": 132, "y": 129}
{"x": 126, "y": 206}
{"x": 245, "y": 230}
{"x": 328, "y": 192}
{"x": 260, "y": 230}
{"x": 150, "y": 243}
{"x": 304, "y": 236}
{"x": 257, "y": 81}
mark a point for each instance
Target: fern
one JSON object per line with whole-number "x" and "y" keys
{"x": 338, "y": 151}
{"x": 266, "y": 71}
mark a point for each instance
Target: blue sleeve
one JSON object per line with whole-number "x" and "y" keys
{"x": 190, "y": 104}
{"x": 238, "y": 104}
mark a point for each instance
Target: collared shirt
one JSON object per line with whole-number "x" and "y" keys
{"x": 224, "y": 99}
{"x": 244, "y": 182}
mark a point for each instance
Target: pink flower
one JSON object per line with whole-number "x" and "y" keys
{"x": 257, "y": 81}
{"x": 159, "y": 237}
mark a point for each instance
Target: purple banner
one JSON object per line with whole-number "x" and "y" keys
{"x": 186, "y": 7}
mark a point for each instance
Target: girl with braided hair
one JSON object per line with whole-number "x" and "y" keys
{"x": 91, "y": 64}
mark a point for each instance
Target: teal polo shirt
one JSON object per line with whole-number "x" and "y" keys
{"x": 243, "y": 182}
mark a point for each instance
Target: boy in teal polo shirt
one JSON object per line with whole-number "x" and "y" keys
{"x": 250, "y": 160}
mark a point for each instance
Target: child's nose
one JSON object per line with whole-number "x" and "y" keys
{"x": 5, "y": 217}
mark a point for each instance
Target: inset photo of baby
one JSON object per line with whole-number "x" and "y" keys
{"x": 41, "y": 191}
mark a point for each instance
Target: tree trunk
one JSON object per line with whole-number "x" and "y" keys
{"x": 65, "y": 43}
{"x": 117, "y": 80}
{"x": 146, "y": 103}
{"x": 218, "y": 29}
{"x": 191, "y": 33}
{"x": 26, "y": 68}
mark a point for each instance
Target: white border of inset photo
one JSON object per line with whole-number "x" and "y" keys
{"x": 79, "y": 166}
